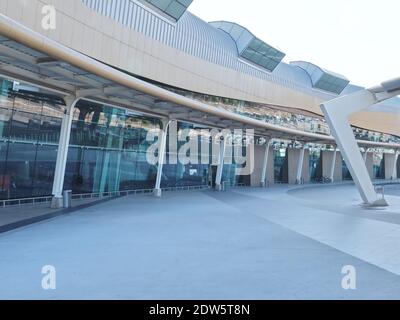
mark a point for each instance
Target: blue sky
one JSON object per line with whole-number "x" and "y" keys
{"x": 357, "y": 38}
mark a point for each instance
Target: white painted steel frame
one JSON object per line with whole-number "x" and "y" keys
{"x": 337, "y": 112}
{"x": 161, "y": 155}
{"x": 333, "y": 166}
{"x": 300, "y": 164}
{"x": 264, "y": 181}
{"x": 62, "y": 153}
{"x": 220, "y": 167}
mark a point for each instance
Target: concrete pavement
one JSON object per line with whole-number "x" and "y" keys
{"x": 240, "y": 244}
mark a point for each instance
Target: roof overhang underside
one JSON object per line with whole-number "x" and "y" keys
{"x": 31, "y": 58}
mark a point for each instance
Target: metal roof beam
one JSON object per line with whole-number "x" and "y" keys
{"x": 89, "y": 92}
{"x": 75, "y": 77}
{"x": 111, "y": 90}
{"x": 27, "y": 77}
{"x": 14, "y": 54}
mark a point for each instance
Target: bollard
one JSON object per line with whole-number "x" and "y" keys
{"x": 67, "y": 198}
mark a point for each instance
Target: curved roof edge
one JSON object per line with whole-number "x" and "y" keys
{"x": 23, "y": 35}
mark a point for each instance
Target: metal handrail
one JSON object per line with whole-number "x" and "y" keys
{"x": 98, "y": 195}
{"x": 25, "y": 201}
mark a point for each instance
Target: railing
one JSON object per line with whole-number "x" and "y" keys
{"x": 239, "y": 185}
{"x": 386, "y": 182}
{"x": 25, "y": 201}
{"x": 323, "y": 180}
{"x": 123, "y": 193}
{"x": 229, "y": 185}
{"x": 98, "y": 195}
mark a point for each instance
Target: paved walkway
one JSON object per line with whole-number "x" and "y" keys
{"x": 12, "y": 217}
{"x": 241, "y": 244}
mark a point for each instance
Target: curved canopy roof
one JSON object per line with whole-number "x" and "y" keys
{"x": 322, "y": 78}
{"x": 250, "y": 47}
{"x": 34, "y": 59}
{"x": 173, "y": 8}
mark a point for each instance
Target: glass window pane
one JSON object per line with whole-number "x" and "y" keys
{"x": 44, "y": 171}
{"x": 5, "y": 183}
{"x": 20, "y": 168}
{"x": 5, "y": 123}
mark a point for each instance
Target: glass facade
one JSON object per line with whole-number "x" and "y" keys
{"x": 29, "y": 133}
{"x": 107, "y": 149}
{"x": 282, "y": 116}
{"x": 378, "y": 166}
{"x": 346, "y": 175}
{"x": 182, "y": 175}
{"x": 231, "y": 179}
{"x": 280, "y": 165}
{"x": 315, "y": 165}
{"x": 108, "y": 153}
{"x": 398, "y": 168}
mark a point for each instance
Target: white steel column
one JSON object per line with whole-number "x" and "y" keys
{"x": 394, "y": 169}
{"x": 337, "y": 112}
{"x": 333, "y": 166}
{"x": 265, "y": 165}
{"x": 161, "y": 156}
{"x": 220, "y": 167}
{"x": 300, "y": 166}
{"x": 62, "y": 153}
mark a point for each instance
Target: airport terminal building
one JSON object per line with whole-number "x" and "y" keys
{"x": 78, "y": 99}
